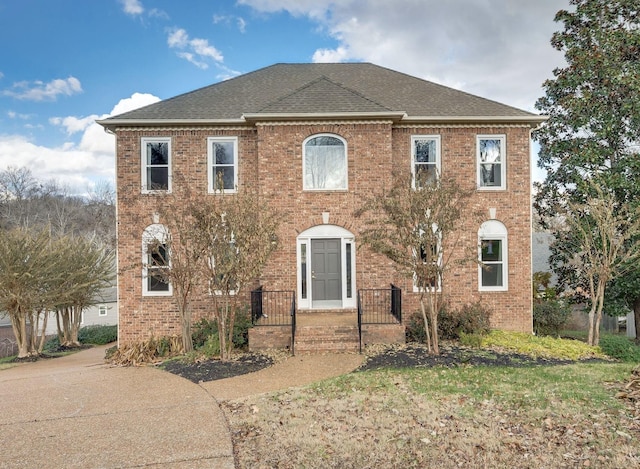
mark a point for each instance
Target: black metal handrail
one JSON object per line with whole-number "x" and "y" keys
{"x": 274, "y": 308}
{"x": 396, "y": 303}
{"x": 359, "y": 323}
{"x": 380, "y": 305}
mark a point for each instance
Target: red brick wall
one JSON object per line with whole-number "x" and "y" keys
{"x": 271, "y": 158}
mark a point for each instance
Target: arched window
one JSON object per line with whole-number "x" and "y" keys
{"x": 493, "y": 256}
{"x": 155, "y": 261}
{"x": 324, "y": 163}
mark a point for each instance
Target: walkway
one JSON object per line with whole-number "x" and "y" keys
{"x": 76, "y": 412}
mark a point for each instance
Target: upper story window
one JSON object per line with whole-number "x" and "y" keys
{"x": 492, "y": 270}
{"x": 425, "y": 159}
{"x": 491, "y": 151}
{"x": 155, "y": 261}
{"x": 325, "y": 163}
{"x": 156, "y": 164}
{"x": 222, "y": 154}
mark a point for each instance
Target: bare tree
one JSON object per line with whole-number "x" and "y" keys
{"x": 419, "y": 230}
{"x": 185, "y": 249}
{"x": 603, "y": 234}
{"x": 238, "y": 233}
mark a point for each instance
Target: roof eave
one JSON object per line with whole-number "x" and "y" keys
{"x": 111, "y": 124}
{"x": 302, "y": 116}
{"x": 526, "y": 119}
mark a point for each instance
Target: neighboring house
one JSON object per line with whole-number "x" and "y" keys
{"x": 314, "y": 139}
{"x": 104, "y": 312}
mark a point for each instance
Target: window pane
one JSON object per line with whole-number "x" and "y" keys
{"x": 325, "y": 164}
{"x": 158, "y": 255}
{"x": 348, "y": 260}
{"x": 156, "y": 283}
{"x": 157, "y": 153}
{"x": 226, "y": 173}
{"x": 426, "y": 175}
{"x": 492, "y": 275}
{"x": 223, "y": 152}
{"x": 490, "y": 175}
{"x": 157, "y": 178}
{"x": 425, "y": 151}
{"x": 492, "y": 250}
{"x": 303, "y": 270}
{"x": 490, "y": 150}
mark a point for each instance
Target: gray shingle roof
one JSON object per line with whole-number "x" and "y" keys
{"x": 322, "y": 89}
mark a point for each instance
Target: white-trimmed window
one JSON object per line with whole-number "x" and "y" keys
{"x": 430, "y": 256}
{"x": 491, "y": 157}
{"x": 156, "y": 164}
{"x": 493, "y": 256}
{"x": 222, "y": 157}
{"x": 324, "y": 163}
{"x": 102, "y": 310}
{"x": 155, "y": 261}
{"x": 425, "y": 159}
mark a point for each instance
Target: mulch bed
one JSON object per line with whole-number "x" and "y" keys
{"x": 211, "y": 370}
{"x": 399, "y": 356}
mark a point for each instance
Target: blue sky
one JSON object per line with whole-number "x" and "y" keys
{"x": 65, "y": 63}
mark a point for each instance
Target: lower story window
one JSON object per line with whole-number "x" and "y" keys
{"x": 156, "y": 261}
{"x": 493, "y": 256}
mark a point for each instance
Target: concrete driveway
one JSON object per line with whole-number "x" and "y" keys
{"x": 77, "y": 412}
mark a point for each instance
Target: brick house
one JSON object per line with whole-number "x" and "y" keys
{"x": 314, "y": 139}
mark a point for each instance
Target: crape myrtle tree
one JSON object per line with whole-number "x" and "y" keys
{"x": 593, "y": 131}
{"x": 89, "y": 268}
{"x": 40, "y": 274}
{"x": 602, "y": 236}
{"x": 181, "y": 253}
{"x": 238, "y": 233}
{"x": 27, "y": 273}
{"x": 419, "y": 230}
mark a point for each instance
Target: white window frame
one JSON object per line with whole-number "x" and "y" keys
{"x": 211, "y": 163}
{"x": 102, "y": 310}
{"x": 143, "y": 161}
{"x": 304, "y": 159}
{"x": 153, "y": 233}
{"x": 494, "y": 230}
{"x": 437, "y": 163}
{"x": 503, "y": 162}
{"x": 416, "y": 288}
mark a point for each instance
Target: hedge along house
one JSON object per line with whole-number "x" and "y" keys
{"x": 314, "y": 139}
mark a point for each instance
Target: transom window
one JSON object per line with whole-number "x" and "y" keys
{"x": 493, "y": 264}
{"x": 491, "y": 161}
{"x": 155, "y": 261}
{"x": 425, "y": 157}
{"x": 325, "y": 163}
{"x": 156, "y": 164}
{"x": 223, "y": 164}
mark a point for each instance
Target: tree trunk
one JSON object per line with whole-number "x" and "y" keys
{"x": 592, "y": 316}
{"x": 596, "y": 331}
{"x": 433, "y": 312}
{"x": 636, "y": 317}
{"x": 426, "y": 324}
{"x": 19, "y": 326}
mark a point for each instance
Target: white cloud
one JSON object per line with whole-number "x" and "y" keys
{"x": 198, "y": 50}
{"x": 40, "y": 91}
{"x": 228, "y": 19}
{"x": 75, "y": 164}
{"x": 132, "y": 7}
{"x": 499, "y": 49}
